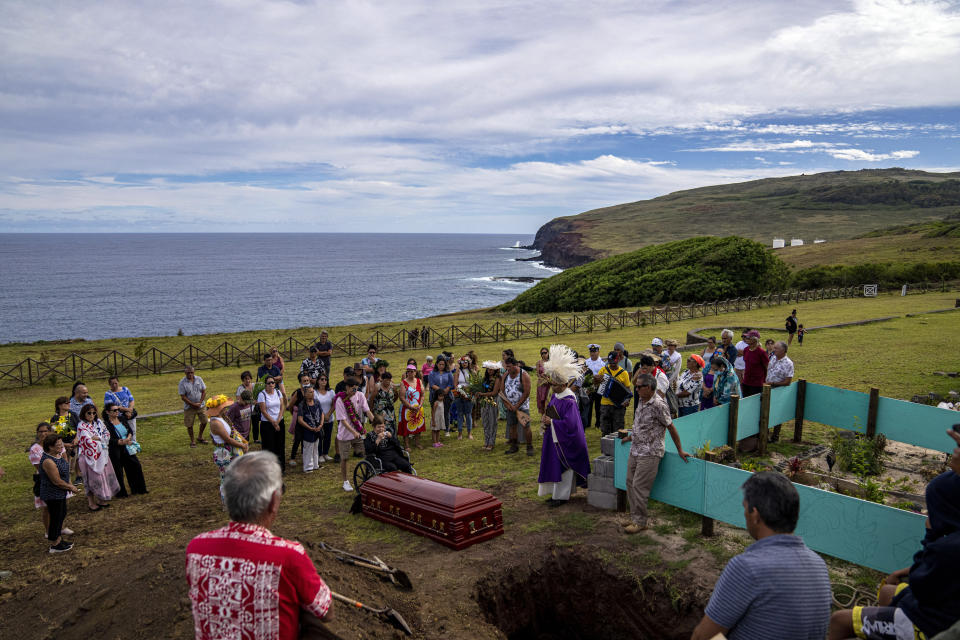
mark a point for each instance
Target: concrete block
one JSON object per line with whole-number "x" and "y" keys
{"x": 602, "y": 500}
{"x": 607, "y": 444}
{"x": 603, "y": 466}
{"x": 600, "y": 484}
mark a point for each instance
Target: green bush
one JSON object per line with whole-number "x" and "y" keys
{"x": 692, "y": 270}
{"x": 859, "y": 455}
{"x": 885, "y": 274}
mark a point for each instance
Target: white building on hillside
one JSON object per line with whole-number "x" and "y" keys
{"x": 796, "y": 242}
{"x": 778, "y": 243}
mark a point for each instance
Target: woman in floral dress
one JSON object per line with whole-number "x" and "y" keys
{"x": 384, "y": 397}
{"x": 411, "y": 413}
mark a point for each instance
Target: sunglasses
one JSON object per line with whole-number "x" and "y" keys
{"x": 113, "y": 410}
{"x": 270, "y": 382}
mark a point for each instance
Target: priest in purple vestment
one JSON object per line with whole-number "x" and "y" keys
{"x": 564, "y": 460}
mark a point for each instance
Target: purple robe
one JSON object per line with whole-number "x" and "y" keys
{"x": 570, "y": 450}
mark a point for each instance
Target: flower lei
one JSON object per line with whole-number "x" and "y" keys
{"x": 351, "y": 412}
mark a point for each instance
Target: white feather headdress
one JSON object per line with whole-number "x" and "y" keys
{"x": 562, "y": 367}
{"x": 491, "y": 364}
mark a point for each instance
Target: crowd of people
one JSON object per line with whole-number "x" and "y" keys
{"x": 776, "y": 588}
{"x": 98, "y": 449}
{"x": 777, "y": 581}
{"x": 332, "y": 421}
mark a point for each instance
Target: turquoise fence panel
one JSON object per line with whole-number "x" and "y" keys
{"x": 837, "y": 407}
{"x": 620, "y": 453}
{"x": 700, "y": 427}
{"x": 723, "y": 498}
{"x": 748, "y": 417}
{"x": 866, "y": 533}
{"x": 783, "y": 404}
{"x": 680, "y": 483}
{"x": 917, "y": 424}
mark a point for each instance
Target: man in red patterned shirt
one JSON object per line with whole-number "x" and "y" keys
{"x": 244, "y": 581}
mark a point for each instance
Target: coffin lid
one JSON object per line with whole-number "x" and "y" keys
{"x": 428, "y": 493}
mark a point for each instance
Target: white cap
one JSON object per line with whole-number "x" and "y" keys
{"x": 657, "y": 342}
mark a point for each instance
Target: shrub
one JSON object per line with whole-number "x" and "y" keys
{"x": 859, "y": 455}
{"x": 692, "y": 270}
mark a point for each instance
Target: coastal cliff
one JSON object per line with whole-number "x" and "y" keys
{"x": 561, "y": 244}
{"x": 833, "y": 206}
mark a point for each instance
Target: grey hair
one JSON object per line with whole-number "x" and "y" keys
{"x": 249, "y": 484}
{"x": 726, "y": 333}
{"x": 783, "y": 344}
{"x": 646, "y": 380}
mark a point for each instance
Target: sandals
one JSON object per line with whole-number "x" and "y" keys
{"x": 202, "y": 441}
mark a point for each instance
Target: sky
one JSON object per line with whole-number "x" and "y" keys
{"x": 449, "y": 116}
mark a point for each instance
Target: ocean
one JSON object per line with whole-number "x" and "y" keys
{"x": 92, "y": 286}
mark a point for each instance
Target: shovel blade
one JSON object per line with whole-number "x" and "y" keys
{"x": 395, "y": 619}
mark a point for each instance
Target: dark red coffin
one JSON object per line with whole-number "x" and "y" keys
{"x": 452, "y": 516}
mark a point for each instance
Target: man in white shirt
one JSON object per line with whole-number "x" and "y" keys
{"x": 740, "y": 365}
{"x": 594, "y": 363}
{"x": 779, "y": 374}
{"x": 674, "y": 358}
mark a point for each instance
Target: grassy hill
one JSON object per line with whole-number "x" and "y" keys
{"x": 935, "y": 241}
{"x": 691, "y": 270}
{"x": 834, "y": 206}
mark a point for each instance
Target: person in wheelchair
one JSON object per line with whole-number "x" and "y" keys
{"x": 382, "y": 446}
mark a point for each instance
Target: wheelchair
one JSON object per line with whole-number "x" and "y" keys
{"x": 372, "y": 466}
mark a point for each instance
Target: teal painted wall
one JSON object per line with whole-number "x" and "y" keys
{"x": 858, "y": 531}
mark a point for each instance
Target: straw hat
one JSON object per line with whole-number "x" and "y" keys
{"x": 217, "y": 404}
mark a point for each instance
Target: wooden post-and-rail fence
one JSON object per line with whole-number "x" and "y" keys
{"x": 154, "y": 361}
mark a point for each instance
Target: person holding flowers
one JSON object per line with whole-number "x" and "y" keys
{"x": 64, "y": 424}
{"x": 411, "y": 411}
{"x": 383, "y": 400}
{"x": 464, "y": 375}
{"x": 228, "y": 444}
{"x": 93, "y": 442}
{"x": 486, "y": 398}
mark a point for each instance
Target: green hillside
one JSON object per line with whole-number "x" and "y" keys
{"x": 694, "y": 269}
{"x": 924, "y": 242}
{"x": 833, "y": 206}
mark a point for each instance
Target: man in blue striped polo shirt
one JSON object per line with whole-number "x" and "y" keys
{"x": 777, "y": 588}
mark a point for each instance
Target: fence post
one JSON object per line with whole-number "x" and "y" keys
{"x": 764, "y": 420}
{"x": 872, "y": 412}
{"x": 732, "y": 416}
{"x": 798, "y": 416}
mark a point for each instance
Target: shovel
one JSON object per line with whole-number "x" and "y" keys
{"x": 386, "y": 614}
{"x": 396, "y": 576}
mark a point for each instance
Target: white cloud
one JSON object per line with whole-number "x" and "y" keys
{"x": 835, "y": 150}
{"x": 385, "y": 108}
